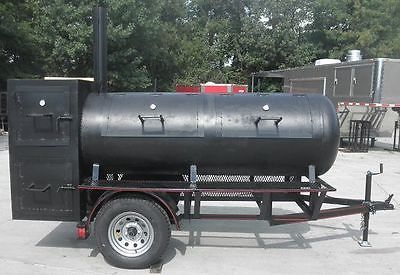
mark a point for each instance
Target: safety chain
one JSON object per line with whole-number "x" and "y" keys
{"x": 362, "y": 223}
{"x": 371, "y": 207}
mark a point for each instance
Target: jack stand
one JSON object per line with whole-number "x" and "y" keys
{"x": 365, "y": 224}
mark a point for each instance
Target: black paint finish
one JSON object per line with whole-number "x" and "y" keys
{"x": 58, "y": 130}
{"x": 44, "y": 119}
{"x": 222, "y": 134}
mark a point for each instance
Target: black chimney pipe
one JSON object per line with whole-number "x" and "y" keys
{"x": 100, "y": 49}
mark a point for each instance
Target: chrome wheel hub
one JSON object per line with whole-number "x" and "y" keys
{"x": 130, "y": 234}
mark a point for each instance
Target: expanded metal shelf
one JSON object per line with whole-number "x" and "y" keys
{"x": 294, "y": 186}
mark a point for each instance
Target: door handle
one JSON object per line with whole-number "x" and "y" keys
{"x": 144, "y": 118}
{"x": 276, "y": 120}
{"x": 32, "y": 188}
{"x": 152, "y": 131}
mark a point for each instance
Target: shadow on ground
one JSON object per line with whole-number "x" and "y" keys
{"x": 218, "y": 233}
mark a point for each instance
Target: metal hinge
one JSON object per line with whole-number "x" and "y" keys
{"x": 65, "y": 117}
{"x": 69, "y": 187}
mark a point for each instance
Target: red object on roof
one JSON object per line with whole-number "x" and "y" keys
{"x": 238, "y": 89}
{"x": 187, "y": 89}
{"x": 212, "y": 88}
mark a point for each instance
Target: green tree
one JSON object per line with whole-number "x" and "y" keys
{"x": 143, "y": 40}
{"x": 17, "y": 43}
{"x": 150, "y": 34}
{"x": 234, "y": 38}
{"x": 63, "y": 32}
{"x": 214, "y": 34}
{"x": 371, "y": 26}
{"x": 277, "y": 34}
{"x": 165, "y": 42}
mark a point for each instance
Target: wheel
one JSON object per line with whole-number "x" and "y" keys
{"x": 132, "y": 232}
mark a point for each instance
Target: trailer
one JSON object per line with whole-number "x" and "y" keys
{"x": 362, "y": 89}
{"x": 118, "y": 164}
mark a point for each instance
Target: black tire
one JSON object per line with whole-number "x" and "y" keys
{"x": 113, "y": 214}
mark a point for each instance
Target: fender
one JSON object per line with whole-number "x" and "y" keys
{"x": 106, "y": 196}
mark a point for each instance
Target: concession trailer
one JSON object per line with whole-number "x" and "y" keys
{"x": 119, "y": 163}
{"x": 361, "y": 89}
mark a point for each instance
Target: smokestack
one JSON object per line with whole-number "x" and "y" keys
{"x": 100, "y": 49}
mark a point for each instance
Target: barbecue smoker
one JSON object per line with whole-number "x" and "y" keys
{"x": 119, "y": 163}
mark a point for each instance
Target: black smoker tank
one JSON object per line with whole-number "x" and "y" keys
{"x": 165, "y": 133}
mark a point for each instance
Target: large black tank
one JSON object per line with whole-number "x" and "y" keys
{"x": 250, "y": 134}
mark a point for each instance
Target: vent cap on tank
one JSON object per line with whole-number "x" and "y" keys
{"x": 353, "y": 55}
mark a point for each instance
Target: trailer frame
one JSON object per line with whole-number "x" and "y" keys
{"x": 309, "y": 193}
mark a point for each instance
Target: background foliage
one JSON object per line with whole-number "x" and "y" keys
{"x": 165, "y": 42}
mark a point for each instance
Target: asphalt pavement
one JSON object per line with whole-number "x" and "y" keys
{"x": 230, "y": 247}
